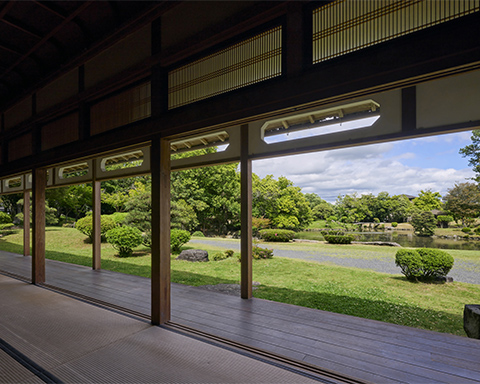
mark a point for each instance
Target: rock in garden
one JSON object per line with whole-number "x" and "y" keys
{"x": 193, "y": 255}
{"x": 471, "y": 321}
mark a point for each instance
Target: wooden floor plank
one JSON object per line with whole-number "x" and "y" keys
{"x": 370, "y": 350}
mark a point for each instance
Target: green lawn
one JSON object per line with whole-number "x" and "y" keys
{"x": 363, "y": 293}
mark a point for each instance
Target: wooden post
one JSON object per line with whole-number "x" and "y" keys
{"x": 160, "y": 169}
{"x": 38, "y": 208}
{"x": 26, "y": 223}
{"x": 296, "y": 47}
{"x": 246, "y": 216}
{"x": 96, "y": 221}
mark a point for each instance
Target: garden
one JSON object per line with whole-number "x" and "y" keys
{"x": 205, "y": 204}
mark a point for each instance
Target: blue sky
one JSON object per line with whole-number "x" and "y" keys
{"x": 406, "y": 166}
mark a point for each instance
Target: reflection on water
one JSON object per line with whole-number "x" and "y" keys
{"x": 410, "y": 240}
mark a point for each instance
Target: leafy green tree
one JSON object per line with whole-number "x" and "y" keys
{"x": 183, "y": 216}
{"x": 402, "y": 208}
{"x": 72, "y": 201}
{"x": 50, "y": 214}
{"x": 11, "y": 204}
{"x": 428, "y": 200}
{"x": 281, "y": 202}
{"x": 353, "y": 208}
{"x": 212, "y": 192}
{"x": 139, "y": 208}
{"x": 321, "y": 209}
{"x": 424, "y": 223}
{"x": 472, "y": 151}
{"x": 115, "y": 193}
{"x": 463, "y": 202}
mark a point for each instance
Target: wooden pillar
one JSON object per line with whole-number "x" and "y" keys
{"x": 298, "y": 53}
{"x": 160, "y": 169}
{"x": 246, "y": 216}
{"x": 409, "y": 109}
{"x": 38, "y": 208}
{"x": 26, "y": 223}
{"x": 96, "y": 221}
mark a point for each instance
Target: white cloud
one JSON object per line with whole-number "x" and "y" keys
{"x": 366, "y": 169}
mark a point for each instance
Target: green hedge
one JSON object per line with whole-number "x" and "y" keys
{"x": 423, "y": 263}
{"x": 277, "y": 235}
{"x": 336, "y": 237}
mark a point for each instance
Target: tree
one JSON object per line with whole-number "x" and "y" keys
{"x": 321, "y": 209}
{"x": 213, "y": 193}
{"x": 11, "y": 204}
{"x": 72, "y": 201}
{"x": 183, "y": 216}
{"x": 281, "y": 202}
{"x": 428, "y": 200}
{"x": 424, "y": 223}
{"x": 472, "y": 151}
{"x": 352, "y": 208}
{"x": 463, "y": 202}
{"x": 139, "y": 208}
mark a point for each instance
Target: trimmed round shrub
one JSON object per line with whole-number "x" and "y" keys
{"x": 198, "y": 234}
{"x": 394, "y": 224}
{"x": 85, "y": 225}
{"x": 124, "y": 239}
{"x": 178, "y": 237}
{"x": 435, "y": 262}
{"x": 410, "y": 263}
{"x": 5, "y": 218}
{"x": 278, "y": 235}
{"x": 423, "y": 263}
{"x": 466, "y": 230}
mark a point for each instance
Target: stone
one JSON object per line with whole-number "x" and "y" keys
{"x": 193, "y": 255}
{"x": 444, "y": 279}
{"x": 471, "y": 320}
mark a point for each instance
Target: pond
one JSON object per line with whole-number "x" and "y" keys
{"x": 408, "y": 239}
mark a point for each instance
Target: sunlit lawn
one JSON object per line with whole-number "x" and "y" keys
{"x": 351, "y": 291}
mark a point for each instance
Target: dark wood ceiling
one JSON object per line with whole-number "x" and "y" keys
{"x": 39, "y": 38}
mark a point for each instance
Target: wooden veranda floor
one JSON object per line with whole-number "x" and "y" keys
{"x": 365, "y": 349}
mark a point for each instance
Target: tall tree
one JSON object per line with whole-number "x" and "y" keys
{"x": 472, "y": 152}
{"x": 321, "y": 209}
{"x": 463, "y": 202}
{"x": 352, "y": 208}
{"x": 428, "y": 200}
{"x": 213, "y": 193}
{"x": 281, "y": 202}
{"x": 72, "y": 201}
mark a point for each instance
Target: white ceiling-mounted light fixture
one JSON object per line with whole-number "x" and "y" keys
{"x": 346, "y": 117}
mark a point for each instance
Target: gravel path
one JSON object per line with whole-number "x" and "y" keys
{"x": 465, "y": 272}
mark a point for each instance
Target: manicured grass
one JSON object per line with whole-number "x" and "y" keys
{"x": 357, "y": 292}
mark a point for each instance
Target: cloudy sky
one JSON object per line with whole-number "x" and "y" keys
{"x": 403, "y": 167}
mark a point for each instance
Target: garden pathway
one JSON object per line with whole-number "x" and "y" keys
{"x": 462, "y": 271}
